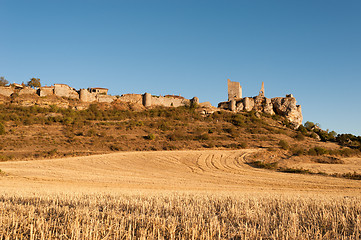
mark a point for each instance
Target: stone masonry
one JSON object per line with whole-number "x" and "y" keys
{"x": 234, "y": 90}
{"x": 63, "y": 90}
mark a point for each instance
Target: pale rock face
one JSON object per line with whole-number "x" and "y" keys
{"x": 263, "y": 104}
{"x": 205, "y": 105}
{"x": 287, "y": 107}
{"x": 258, "y": 103}
{"x": 248, "y": 104}
{"x": 239, "y": 106}
{"x": 232, "y": 105}
{"x": 268, "y": 106}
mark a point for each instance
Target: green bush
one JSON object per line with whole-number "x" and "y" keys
{"x": 283, "y": 144}
{"x": 298, "y": 151}
{"x": 262, "y": 164}
{"x": 299, "y": 136}
{"x": 243, "y": 145}
{"x": 150, "y": 136}
{"x": 317, "y": 151}
{"x": 2, "y": 129}
{"x": 203, "y": 136}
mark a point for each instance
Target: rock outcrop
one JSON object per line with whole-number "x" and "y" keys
{"x": 288, "y": 108}
{"x": 284, "y": 106}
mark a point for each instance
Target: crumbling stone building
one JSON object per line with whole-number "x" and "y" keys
{"x": 285, "y": 106}
{"x": 234, "y": 90}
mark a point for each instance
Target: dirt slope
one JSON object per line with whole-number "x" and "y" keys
{"x": 207, "y": 170}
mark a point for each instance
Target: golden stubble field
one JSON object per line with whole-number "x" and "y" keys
{"x": 208, "y": 194}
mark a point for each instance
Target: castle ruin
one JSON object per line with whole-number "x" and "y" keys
{"x": 94, "y": 95}
{"x": 234, "y": 90}
{"x": 284, "y": 106}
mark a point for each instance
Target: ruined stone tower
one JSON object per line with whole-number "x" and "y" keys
{"x": 234, "y": 90}
{"x": 261, "y": 92}
{"x": 147, "y": 100}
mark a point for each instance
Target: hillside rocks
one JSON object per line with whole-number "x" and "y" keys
{"x": 287, "y": 107}
{"x": 284, "y": 106}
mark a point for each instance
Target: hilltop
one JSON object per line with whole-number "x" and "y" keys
{"x": 59, "y": 121}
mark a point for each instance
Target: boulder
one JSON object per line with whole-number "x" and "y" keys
{"x": 287, "y": 107}
{"x": 268, "y": 106}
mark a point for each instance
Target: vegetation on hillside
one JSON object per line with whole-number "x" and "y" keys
{"x": 37, "y": 132}
{"x": 3, "y": 81}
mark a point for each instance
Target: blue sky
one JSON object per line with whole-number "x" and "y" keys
{"x": 311, "y": 49}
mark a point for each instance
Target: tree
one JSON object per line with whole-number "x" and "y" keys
{"x": 34, "y": 83}
{"x": 309, "y": 125}
{"x": 3, "y": 81}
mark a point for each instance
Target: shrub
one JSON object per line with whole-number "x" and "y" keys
{"x": 150, "y": 136}
{"x": 314, "y": 135}
{"x": 298, "y": 151}
{"x": 299, "y": 136}
{"x": 209, "y": 145}
{"x": 283, "y": 144}
{"x": 312, "y": 152}
{"x": 354, "y": 175}
{"x": 203, "y": 136}
{"x": 262, "y": 164}
{"x": 2, "y": 129}
{"x": 114, "y": 147}
{"x": 295, "y": 170}
{"x": 302, "y": 130}
{"x": 317, "y": 151}
{"x": 237, "y": 120}
{"x": 243, "y": 145}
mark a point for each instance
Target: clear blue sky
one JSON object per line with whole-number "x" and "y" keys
{"x": 190, "y": 47}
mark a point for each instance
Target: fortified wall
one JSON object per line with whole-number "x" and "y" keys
{"x": 93, "y": 95}
{"x": 284, "y": 106}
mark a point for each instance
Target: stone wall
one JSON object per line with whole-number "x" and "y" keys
{"x": 131, "y": 98}
{"x": 6, "y": 91}
{"x": 46, "y": 91}
{"x": 105, "y": 98}
{"x": 148, "y": 100}
{"x": 103, "y": 91}
{"x": 86, "y": 96}
{"x": 63, "y": 90}
{"x": 27, "y": 90}
{"x": 169, "y": 101}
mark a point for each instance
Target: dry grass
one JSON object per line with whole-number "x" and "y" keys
{"x": 38, "y": 133}
{"x": 178, "y": 216}
{"x": 210, "y": 194}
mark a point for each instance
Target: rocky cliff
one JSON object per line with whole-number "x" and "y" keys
{"x": 284, "y": 106}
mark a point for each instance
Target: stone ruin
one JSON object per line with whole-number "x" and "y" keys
{"x": 234, "y": 90}
{"x": 92, "y": 95}
{"x": 284, "y": 106}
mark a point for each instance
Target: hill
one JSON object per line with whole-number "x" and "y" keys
{"x": 47, "y": 132}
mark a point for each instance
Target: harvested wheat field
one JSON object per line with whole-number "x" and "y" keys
{"x": 207, "y": 194}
